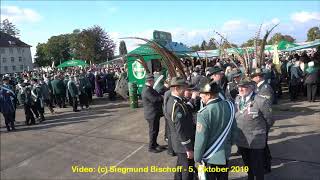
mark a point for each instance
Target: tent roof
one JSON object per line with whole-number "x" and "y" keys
{"x": 177, "y": 48}
{"x": 73, "y": 62}
{"x": 312, "y": 44}
{"x": 283, "y": 45}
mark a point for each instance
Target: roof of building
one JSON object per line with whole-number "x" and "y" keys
{"x": 9, "y": 41}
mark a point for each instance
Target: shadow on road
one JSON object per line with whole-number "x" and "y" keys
{"x": 294, "y": 158}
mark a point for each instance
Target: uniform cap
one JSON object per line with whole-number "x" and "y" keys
{"x": 177, "y": 81}
{"x": 210, "y": 88}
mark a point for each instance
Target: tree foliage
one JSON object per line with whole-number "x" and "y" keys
{"x": 92, "y": 44}
{"x": 313, "y": 34}
{"x": 195, "y": 48}
{"x": 226, "y": 45}
{"x": 277, "y": 37}
{"x": 250, "y": 43}
{"x": 122, "y": 48}
{"x": 9, "y": 28}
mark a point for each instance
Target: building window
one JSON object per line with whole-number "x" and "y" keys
{"x": 5, "y": 68}
{"x": 11, "y": 50}
{"x": 13, "y": 68}
{"x": 19, "y": 50}
{"x": 20, "y": 59}
{"x": 23, "y": 50}
{"x": 12, "y": 59}
{"x": 2, "y": 50}
{"x": 21, "y": 67}
{"x": 4, "y": 60}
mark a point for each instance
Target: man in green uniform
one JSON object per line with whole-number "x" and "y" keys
{"x": 58, "y": 90}
{"x": 36, "y": 92}
{"x": 215, "y": 130}
{"x": 74, "y": 93}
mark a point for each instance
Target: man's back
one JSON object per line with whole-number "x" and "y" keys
{"x": 152, "y": 102}
{"x": 212, "y": 120}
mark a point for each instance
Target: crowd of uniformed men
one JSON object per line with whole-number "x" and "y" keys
{"x": 35, "y": 90}
{"x": 218, "y": 106}
{"x": 205, "y": 114}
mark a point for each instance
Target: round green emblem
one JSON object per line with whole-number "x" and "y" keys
{"x": 138, "y": 70}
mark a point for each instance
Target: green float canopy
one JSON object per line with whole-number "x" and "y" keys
{"x": 283, "y": 45}
{"x": 71, "y": 63}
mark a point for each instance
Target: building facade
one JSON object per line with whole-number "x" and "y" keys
{"x": 15, "y": 55}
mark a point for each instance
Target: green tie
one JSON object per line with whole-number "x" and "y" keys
{"x": 242, "y": 105}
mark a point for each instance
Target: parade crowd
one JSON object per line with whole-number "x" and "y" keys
{"x": 38, "y": 89}
{"x": 220, "y": 105}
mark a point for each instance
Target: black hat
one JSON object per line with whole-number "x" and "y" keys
{"x": 214, "y": 70}
{"x": 149, "y": 77}
{"x": 257, "y": 72}
{"x": 177, "y": 81}
{"x": 210, "y": 88}
{"x": 245, "y": 83}
{"x": 192, "y": 87}
{"x": 5, "y": 78}
{"x": 196, "y": 69}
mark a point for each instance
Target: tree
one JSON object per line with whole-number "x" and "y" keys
{"x": 195, "y": 48}
{"x": 9, "y": 28}
{"x": 41, "y": 56}
{"x": 203, "y": 45}
{"x": 211, "y": 44}
{"x": 226, "y": 45}
{"x": 277, "y": 37}
{"x": 58, "y": 48}
{"x": 96, "y": 45}
{"x": 122, "y": 48}
{"x": 313, "y": 34}
{"x": 289, "y": 38}
{"x": 250, "y": 43}
{"x": 74, "y": 41}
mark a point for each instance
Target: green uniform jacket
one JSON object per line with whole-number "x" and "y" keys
{"x": 58, "y": 87}
{"x": 211, "y": 122}
{"x": 73, "y": 89}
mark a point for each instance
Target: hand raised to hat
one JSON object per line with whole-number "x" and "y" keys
{"x": 195, "y": 94}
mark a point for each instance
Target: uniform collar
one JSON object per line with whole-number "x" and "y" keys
{"x": 260, "y": 83}
{"x": 211, "y": 101}
{"x": 176, "y": 97}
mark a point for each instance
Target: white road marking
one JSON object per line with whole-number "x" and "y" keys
{"x": 127, "y": 157}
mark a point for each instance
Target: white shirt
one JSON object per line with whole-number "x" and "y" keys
{"x": 247, "y": 97}
{"x": 259, "y": 84}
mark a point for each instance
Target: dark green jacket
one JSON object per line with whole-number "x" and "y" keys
{"x": 73, "y": 89}
{"x": 58, "y": 87}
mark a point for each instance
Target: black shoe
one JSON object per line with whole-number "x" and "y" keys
{"x": 76, "y": 110}
{"x": 171, "y": 153}
{"x": 160, "y": 148}
{"x": 13, "y": 129}
{"x": 154, "y": 150}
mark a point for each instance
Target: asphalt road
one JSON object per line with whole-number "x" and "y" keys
{"x": 112, "y": 134}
